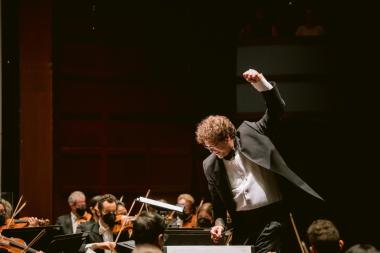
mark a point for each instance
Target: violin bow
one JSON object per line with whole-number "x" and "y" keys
{"x": 123, "y": 223}
{"x": 130, "y": 209}
{"x": 35, "y": 239}
{"x": 138, "y": 214}
{"x": 17, "y": 210}
{"x": 200, "y": 205}
{"x": 142, "y": 206}
{"x": 300, "y": 243}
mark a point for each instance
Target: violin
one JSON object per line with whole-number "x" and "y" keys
{"x": 23, "y": 222}
{"x": 14, "y": 245}
{"x": 120, "y": 226}
{"x": 86, "y": 217}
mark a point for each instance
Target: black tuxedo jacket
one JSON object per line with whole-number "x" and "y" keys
{"x": 65, "y": 222}
{"x": 253, "y": 141}
{"x": 91, "y": 229}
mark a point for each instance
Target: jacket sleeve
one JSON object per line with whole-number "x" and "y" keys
{"x": 218, "y": 206}
{"x": 275, "y": 109}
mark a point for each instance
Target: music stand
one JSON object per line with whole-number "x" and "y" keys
{"x": 188, "y": 236}
{"x": 126, "y": 246}
{"x": 66, "y": 243}
{"x": 29, "y": 233}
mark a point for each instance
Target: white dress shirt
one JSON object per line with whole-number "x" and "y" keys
{"x": 107, "y": 236}
{"x": 252, "y": 186}
{"x": 74, "y": 222}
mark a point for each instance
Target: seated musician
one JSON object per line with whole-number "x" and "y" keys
{"x": 6, "y": 214}
{"x": 100, "y": 237}
{"x": 187, "y": 219}
{"x": 120, "y": 208}
{"x": 149, "y": 228}
{"x": 93, "y": 206}
{"x": 205, "y": 217}
{"x": 5, "y": 211}
{"x": 78, "y": 214}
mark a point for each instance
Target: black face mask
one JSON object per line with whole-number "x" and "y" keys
{"x": 184, "y": 216}
{"x": 109, "y": 219}
{"x": 81, "y": 210}
{"x": 204, "y": 223}
{"x": 2, "y": 218}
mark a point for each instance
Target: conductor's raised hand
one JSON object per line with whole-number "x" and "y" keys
{"x": 257, "y": 80}
{"x": 251, "y": 76}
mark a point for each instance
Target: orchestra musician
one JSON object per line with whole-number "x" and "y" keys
{"x": 205, "y": 215}
{"x": 6, "y": 220}
{"x": 93, "y": 206}
{"x": 78, "y": 214}
{"x": 100, "y": 236}
{"x": 188, "y": 218}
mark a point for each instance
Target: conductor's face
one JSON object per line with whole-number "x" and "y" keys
{"x": 222, "y": 148}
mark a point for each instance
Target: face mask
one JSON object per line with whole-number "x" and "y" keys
{"x": 184, "y": 216}
{"x": 204, "y": 223}
{"x": 81, "y": 210}
{"x": 2, "y": 219}
{"x": 109, "y": 219}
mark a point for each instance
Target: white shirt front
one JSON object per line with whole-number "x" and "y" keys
{"x": 74, "y": 222}
{"x": 107, "y": 236}
{"x": 252, "y": 186}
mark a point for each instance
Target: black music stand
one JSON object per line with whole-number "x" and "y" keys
{"x": 126, "y": 246}
{"x": 29, "y": 233}
{"x": 187, "y": 236}
{"x": 66, "y": 243}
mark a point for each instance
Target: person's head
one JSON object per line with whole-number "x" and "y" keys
{"x": 324, "y": 237}
{"x": 146, "y": 248}
{"x": 362, "y": 248}
{"x": 187, "y": 201}
{"x": 107, "y": 210}
{"x": 93, "y": 205}
{"x": 77, "y": 203}
{"x": 149, "y": 228}
{"x": 5, "y": 211}
{"x": 205, "y": 216}
{"x": 216, "y": 133}
{"x": 120, "y": 208}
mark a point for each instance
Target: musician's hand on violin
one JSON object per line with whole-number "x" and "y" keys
{"x": 126, "y": 219}
{"x": 216, "y": 233}
{"x": 104, "y": 245}
{"x": 33, "y": 222}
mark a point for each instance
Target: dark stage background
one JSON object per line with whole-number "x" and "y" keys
{"x": 104, "y": 96}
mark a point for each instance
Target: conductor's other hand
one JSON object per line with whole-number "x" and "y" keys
{"x": 216, "y": 233}
{"x": 257, "y": 80}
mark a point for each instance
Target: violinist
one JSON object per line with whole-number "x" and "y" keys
{"x": 120, "y": 208}
{"x": 100, "y": 237}
{"x": 187, "y": 219}
{"x": 6, "y": 221}
{"x": 5, "y": 211}
{"x": 93, "y": 206}
{"x": 205, "y": 216}
{"x": 78, "y": 214}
